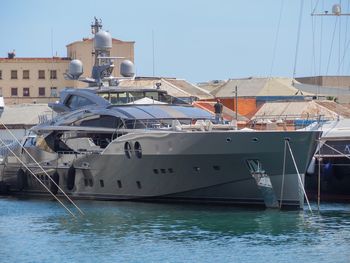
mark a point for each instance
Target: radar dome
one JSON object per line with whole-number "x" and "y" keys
{"x": 103, "y": 40}
{"x": 75, "y": 68}
{"x": 127, "y": 69}
{"x": 336, "y": 9}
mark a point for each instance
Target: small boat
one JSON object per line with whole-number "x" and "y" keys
{"x": 332, "y": 163}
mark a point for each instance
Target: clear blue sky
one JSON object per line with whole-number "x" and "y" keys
{"x": 198, "y": 40}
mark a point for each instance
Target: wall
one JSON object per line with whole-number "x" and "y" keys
{"x": 246, "y": 106}
{"x": 81, "y": 50}
{"x": 33, "y": 83}
{"x": 327, "y": 81}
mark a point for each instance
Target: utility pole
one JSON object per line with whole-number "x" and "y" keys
{"x": 236, "y": 104}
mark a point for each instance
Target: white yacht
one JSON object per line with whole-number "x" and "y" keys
{"x": 105, "y": 145}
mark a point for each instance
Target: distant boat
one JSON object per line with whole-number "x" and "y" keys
{"x": 333, "y": 163}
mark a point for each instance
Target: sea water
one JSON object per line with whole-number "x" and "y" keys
{"x": 33, "y": 230}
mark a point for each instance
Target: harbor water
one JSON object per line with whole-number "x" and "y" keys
{"x": 34, "y": 230}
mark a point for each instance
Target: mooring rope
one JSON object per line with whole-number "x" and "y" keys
{"x": 299, "y": 177}
{"x": 37, "y": 178}
{"x": 53, "y": 181}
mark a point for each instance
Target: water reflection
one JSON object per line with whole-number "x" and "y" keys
{"x": 184, "y": 223}
{"x": 112, "y": 230}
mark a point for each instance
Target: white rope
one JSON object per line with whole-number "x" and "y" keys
{"x": 53, "y": 181}
{"x": 37, "y": 178}
{"x": 299, "y": 177}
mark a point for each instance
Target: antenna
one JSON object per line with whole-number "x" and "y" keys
{"x": 153, "y": 52}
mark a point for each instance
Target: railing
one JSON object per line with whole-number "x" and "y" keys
{"x": 286, "y": 122}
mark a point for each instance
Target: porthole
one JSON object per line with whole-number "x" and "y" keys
{"x": 163, "y": 171}
{"x": 127, "y": 150}
{"x": 255, "y": 139}
{"x": 155, "y": 171}
{"x": 196, "y": 169}
{"x": 102, "y": 184}
{"x": 170, "y": 170}
{"x": 138, "y": 183}
{"x": 138, "y": 150}
{"x": 119, "y": 184}
{"x": 287, "y": 139}
{"x": 228, "y": 139}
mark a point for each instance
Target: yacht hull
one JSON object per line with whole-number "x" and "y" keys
{"x": 205, "y": 167}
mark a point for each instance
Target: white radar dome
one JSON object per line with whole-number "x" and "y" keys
{"x": 103, "y": 40}
{"x": 336, "y": 9}
{"x": 75, "y": 68}
{"x": 127, "y": 69}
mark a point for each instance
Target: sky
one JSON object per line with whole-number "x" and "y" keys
{"x": 197, "y": 40}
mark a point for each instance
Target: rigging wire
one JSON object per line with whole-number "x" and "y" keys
{"x": 276, "y": 38}
{"x": 313, "y": 66}
{"x": 339, "y": 51}
{"x": 314, "y": 9}
{"x": 346, "y": 36}
{"x": 331, "y": 49}
{"x": 321, "y": 40}
{"x": 298, "y": 37}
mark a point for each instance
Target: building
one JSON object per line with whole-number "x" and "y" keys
{"x": 39, "y": 80}
{"x": 332, "y": 87}
{"x": 178, "y": 88}
{"x": 253, "y": 92}
{"x": 326, "y": 81}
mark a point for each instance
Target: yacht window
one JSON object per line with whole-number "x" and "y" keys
{"x": 135, "y": 95}
{"x": 100, "y": 121}
{"x": 152, "y": 95}
{"x": 75, "y": 102}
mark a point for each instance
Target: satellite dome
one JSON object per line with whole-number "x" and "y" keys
{"x": 127, "y": 69}
{"x": 336, "y": 9}
{"x": 75, "y": 68}
{"x": 103, "y": 40}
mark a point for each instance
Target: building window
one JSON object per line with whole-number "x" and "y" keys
{"x": 26, "y": 92}
{"x": 14, "y": 92}
{"x": 41, "y": 74}
{"x": 41, "y": 91}
{"x": 0, "y": 74}
{"x": 53, "y": 92}
{"x": 53, "y": 74}
{"x": 13, "y": 74}
{"x": 25, "y": 74}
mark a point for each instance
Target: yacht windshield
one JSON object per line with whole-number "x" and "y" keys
{"x": 124, "y": 97}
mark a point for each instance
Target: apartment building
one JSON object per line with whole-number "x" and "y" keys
{"x": 40, "y": 80}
